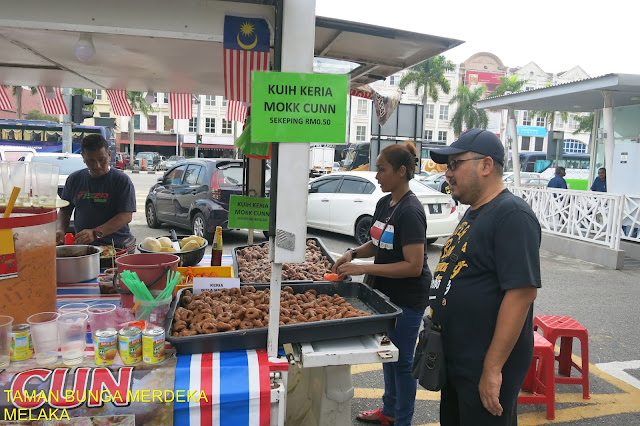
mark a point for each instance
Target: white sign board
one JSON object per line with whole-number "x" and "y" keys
{"x": 201, "y": 284}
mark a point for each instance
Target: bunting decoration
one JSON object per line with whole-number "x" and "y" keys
{"x": 53, "y": 106}
{"x": 180, "y": 106}
{"x": 246, "y": 45}
{"x": 119, "y": 103}
{"x": 5, "y": 102}
{"x": 236, "y": 111}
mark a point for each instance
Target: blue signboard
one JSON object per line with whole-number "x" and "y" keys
{"x": 531, "y": 131}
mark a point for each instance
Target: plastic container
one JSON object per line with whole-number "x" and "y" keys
{"x": 156, "y": 310}
{"x": 151, "y": 269}
{"x": 33, "y": 290}
{"x": 361, "y": 296}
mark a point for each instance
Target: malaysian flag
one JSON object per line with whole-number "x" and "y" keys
{"x": 236, "y": 111}
{"x": 53, "y": 106}
{"x": 119, "y": 103}
{"x": 246, "y": 48}
{"x": 236, "y": 385}
{"x": 180, "y": 106}
{"x": 5, "y": 102}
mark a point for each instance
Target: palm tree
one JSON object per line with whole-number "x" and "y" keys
{"x": 17, "y": 92}
{"x": 550, "y": 118}
{"x": 428, "y": 77}
{"x": 467, "y": 114}
{"x": 138, "y": 103}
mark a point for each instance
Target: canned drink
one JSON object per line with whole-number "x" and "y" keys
{"x": 130, "y": 345}
{"x": 153, "y": 345}
{"x": 105, "y": 344}
{"x": 21, "y": 343}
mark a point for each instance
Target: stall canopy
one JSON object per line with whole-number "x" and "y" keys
{"x": 577, "y": 96}
{"x": 176, "y": 46}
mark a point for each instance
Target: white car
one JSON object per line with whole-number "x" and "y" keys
{"x": 68, "y": 164}
{"x": 344, "y": 202}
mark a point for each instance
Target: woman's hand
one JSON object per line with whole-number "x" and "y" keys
{"x": 351, "y": 268}
{"x": 343, "y": 259}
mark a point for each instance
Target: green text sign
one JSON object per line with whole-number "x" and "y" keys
{"x": 249, "y": 212}
{"x": 292, "y": 107}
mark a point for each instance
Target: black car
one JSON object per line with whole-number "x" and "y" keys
{"x": 194, "y": 195}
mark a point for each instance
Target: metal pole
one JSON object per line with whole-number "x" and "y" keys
{"x": 198, "y": 123}
{"x": 66, "y": 122}
{"x": 177, "y": 137}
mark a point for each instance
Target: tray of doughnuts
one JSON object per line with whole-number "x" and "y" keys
{"x": 237, "y": 319}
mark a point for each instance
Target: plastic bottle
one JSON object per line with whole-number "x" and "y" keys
{"x": 216, "y": 248}
{"x": 69, "y": 239}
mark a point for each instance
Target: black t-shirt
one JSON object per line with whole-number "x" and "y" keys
{"x": 407, "y": 226}
{"x": 98, "y": 200}
{"x": 494, "y": 248}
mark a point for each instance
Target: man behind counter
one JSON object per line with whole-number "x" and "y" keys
{"x": 103, "y": 198}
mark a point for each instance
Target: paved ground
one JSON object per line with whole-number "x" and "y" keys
{"x": 603, "y": 300}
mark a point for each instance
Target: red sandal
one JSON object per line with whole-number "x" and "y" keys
{"x": 381, "y": 418}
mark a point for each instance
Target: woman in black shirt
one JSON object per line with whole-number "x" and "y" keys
{"x": 400, "y": 270}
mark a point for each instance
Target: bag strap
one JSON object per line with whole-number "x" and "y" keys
{"x": 457, "y": 254}
{"x": 404, "y": 197}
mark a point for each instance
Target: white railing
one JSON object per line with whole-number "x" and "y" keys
{"x": 631, "y": 219}
{"x": 595, "y": 217}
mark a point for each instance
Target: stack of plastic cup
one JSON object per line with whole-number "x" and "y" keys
{"x": 45, "y": 184}
{"x": 72, "y": 327}
{"x": 6, "y": 323}
{"x": 44, "y": 334}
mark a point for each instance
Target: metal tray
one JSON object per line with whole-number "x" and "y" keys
{"x": 319, "y": 243}
{"x": 360, "y": 295}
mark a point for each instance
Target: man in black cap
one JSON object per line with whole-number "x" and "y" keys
{"x": 484, "y": 286}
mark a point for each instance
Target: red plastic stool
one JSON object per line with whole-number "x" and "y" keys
{"x": 552, "y": 327}
{"x": 540, "y": 377}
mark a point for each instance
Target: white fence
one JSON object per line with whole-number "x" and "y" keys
{"x": 595, "y": 217}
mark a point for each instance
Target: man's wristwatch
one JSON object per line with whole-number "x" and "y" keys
{"x": 97, "y": 233}
{"x": 353, "y": 251}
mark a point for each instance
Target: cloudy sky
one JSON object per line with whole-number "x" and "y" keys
{"x": 600, "y": 36}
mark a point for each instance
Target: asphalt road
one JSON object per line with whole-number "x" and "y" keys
{"x": 604, "y": 301}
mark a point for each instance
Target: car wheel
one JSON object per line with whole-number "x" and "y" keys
{"x": 199, "y": 227}
{"x": 431, "y": 241}
{"x": 363, "y": 227}
{"x": 152, "y": 217}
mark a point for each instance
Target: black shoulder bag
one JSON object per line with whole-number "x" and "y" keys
{"x": 428, "y": 361}
{"x": 368, "y": 279}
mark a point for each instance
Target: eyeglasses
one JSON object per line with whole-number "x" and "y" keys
{"x": 453, "y": 164}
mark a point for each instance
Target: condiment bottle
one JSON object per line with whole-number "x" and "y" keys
{"x": 69, "y": 239}
{"x": 216, "y": 248}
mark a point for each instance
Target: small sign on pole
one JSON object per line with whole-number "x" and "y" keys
{"x": 298, "y": 107}
{"x": 249, "y": 212}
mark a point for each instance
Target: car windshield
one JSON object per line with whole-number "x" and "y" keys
{"x": 67, "y": 165}
{"x": 144, "y": 154}
{"x": 176, "y": 158}
{"x": 434, "y": 177}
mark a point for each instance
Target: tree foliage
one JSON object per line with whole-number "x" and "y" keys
{"x": 585, "y": 123}
{"x": 468, "y": 115}
{"x": 427, "y": 77}
{"x": 34, "y": 114}
{"x": 510, "y": 84}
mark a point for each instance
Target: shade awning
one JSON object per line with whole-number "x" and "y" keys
{"x": 577, "y": 96}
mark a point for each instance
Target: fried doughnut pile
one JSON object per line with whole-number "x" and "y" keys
{"x": 246, "y": 308}
{"x": 254, "y": 266}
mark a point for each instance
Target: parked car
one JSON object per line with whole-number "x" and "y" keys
{"x": 68, "y": 164}
{"x": 122, "y": 160}
{"x": 163, "y": 163}
{"x": 433, "y": 180}
{"x": 173, "y": 160}
{"x": 151, "y": 160}
{"x": 508, "y": 177}
{"x": 344, "y": 202}
{"x": 194, "y": 195}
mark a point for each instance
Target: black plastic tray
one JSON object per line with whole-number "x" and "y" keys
{"x": 319, "y": 243}
{"x": 360, "y": 295}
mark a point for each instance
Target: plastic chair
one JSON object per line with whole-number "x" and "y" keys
{"x": 566, "y": 328}
{"x": 540, "y": 377}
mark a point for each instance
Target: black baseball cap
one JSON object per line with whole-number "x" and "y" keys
{"x": 474, "y": 140}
